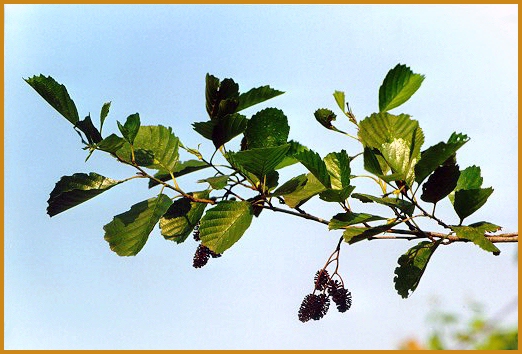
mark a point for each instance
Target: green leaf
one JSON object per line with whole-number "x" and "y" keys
{"x": 56, "y": 95}
{"x": 436, "y": 155}
{"x": 155, "y": 147}
{"x": 403, "y": 205}
{"x": 336, "y": 195}
{"x": 326, "y": 117}
{"x": 292, "y": 185}
{"x": 340, "y": 99}
{"x": 224, "y": 224}
{"x": 267, "y": 128}
{"x": 302, "y": 194}
{"x": 398, "y": 156}
{"x": 469, "y": 178}
{"x": 315, "y": 164}
{"x": 468, "y": 201}
{"x": 228, "y": 128}
{"x": 103, "y": 114}
{"x": 211, "y": 93}
{"x": 412, "y": 265}
{"x": 371, "y": 162}
{"x": 205, "y": 129}
{"x": 440, "y": 183}
{"x": 289, "y": 159}
{"x": 475, "y": 233}
{"x": 261, "y": 161}
{"x": 131, "y": 127}
{"x": 342, "y": 220}
{"x": 181, "y": 217}
{"x": 338, "y": 167}
{"x": 398, "y": 86}
{"x": 91, "y": 133}
{"x": 111, "y": 144}
{"x": 383, "y": 128}
{"x": 221, "y": 97}
{"x": 218, "y": 182}
{"x": 181, "y": 168}
{"x": 255, "y": 96}
{"x": 128, "y": 232}
{"x": 355, "y": 234}
{"x": 70, "y": 191}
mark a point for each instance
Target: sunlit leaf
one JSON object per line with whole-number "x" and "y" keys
{"x": 403, "y": 205}
{"x": 398, "y": 86}
{"x": 261, "y": 161}
{"x": 181, "y": 217}
{"x": 224, "y": 224}
{"x": 218, "y": 182}
{"x": 103, "y": 114}
{"x": 128, "y": 232}
{"x": 131, "y": 127}
{"x": 181, "y": 168}
{"x": 475, "y": 233}
{"x": 302, "y": 194}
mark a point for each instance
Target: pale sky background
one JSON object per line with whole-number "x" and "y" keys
{"x": 65, "y": 289}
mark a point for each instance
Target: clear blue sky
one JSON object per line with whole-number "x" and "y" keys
{"x": 64, "y": 288}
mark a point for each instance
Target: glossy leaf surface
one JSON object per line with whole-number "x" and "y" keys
{"x": 267, "y": 128}
{"x": 256, "y": 95}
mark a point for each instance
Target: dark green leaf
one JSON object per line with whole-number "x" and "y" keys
{"x": 228, "y": 128}
{"x": 181, "y": 168}
{"x": 341, "y": 221}
{"x": 436, "y": 155}
{"x": 267, "y": 128}
{"x": 475, "y": 233}
{"x": 128, "y": 232}
{"x": 103, "y": 114}
{"x": 131, "y": 127}
{"x": 469, "y": 178}
{"x": 440, "y": 183}
{"x": 224, "y": 224}
{"x": 218, "y": 182}
{"x": 289, "y": 159}
{"x": 336, "y": 195}
{"x": 211, "y": 93}
{"x": 302, "y": 194}
{"x": 205, "y": 129}
{"x": 91, "y": 133}
{"x": 468, "y": 201}
{"x": 181, "y": 217}
{"x": 111, "y": 144}
{"x": 76, "y": 189}
{"x": 155, "y": 147}
{"x": 255, "y": 96}
{"x": 56, "y": 95}
{"x": 371, "y": 163}
{"x": 398, "y": 86}
{"x": 315, "y": 164}
{"x": 403, "y": 205}
{"x": 291, "y": 185}
{"x": 412, "y": 265}
{"x": 325, "y": 117}
{"x": 355, "y": 234}
{"x": 261, "y": 161}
